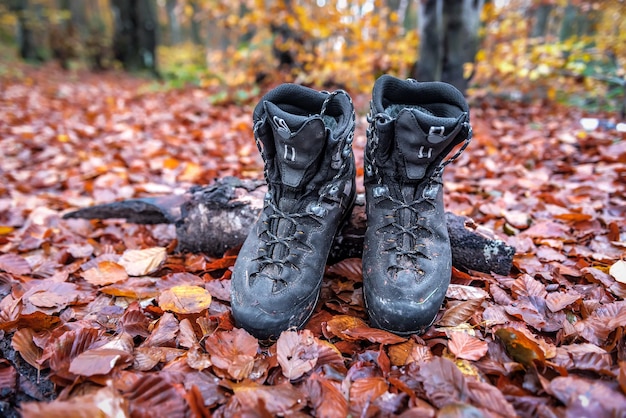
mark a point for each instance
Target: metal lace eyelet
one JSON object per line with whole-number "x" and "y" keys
{"x": 333, "y": 190}
{"x": 380, "y": 191}
{"x": 318, "y": 211}
{"x": 268, "y": 196}
{"x": 369, "y": 171}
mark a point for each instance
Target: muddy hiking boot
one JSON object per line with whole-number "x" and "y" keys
{"x": 305, "y": 139}
{"x": 407, "y": 259}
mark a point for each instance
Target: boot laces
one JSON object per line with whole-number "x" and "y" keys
{"x": 292, "y": 240}
{"x": 414, "y": 225}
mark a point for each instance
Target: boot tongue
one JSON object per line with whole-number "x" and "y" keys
{"x": 421, "y": 144}
{"x": 299, "y": 141}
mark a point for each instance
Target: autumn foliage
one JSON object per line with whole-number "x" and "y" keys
{"x": 108, "y": 319}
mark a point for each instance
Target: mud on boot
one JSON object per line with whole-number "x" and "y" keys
{"x": 407, "y": 259}
{"x": 305, "y": 138}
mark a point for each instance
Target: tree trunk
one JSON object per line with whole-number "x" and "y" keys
{"x": 448, "y": 39}
{"x": 135, "y": 37}
{"x": 29, "y": 24}
{"x": 216, "y": 218}
{"x": 173, "y": 22}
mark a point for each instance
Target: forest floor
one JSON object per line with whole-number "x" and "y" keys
{"x": 105, "y": 318}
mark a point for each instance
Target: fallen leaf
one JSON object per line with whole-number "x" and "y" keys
{"x": 106, "y": 272}
{"x": 326, "y": 397}
{"x": 618, "y": 271}
{"x": 233, "y": 351}
{"x": 14, "y": 264}
{"x": 23, "y": 343}
{"x": 297, "y": 353}
{"x": 340, "y": 323}
{"x": 142, "y": 262}
{"x": 185, "y": 299}
{"x": 459, "y": 313}
{"x": 277, "y": 399}
{"x": 520, "y": 347}
{"x": 467, "y": 347}
{"x": 98, "y": 361}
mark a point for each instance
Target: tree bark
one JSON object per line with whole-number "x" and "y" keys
{"x": 212, "y": 219}
{"x": 135, "y": 37}
{"x": 448, "y": 39}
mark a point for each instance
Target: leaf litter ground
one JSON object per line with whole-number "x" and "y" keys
{"x": 106, "y": 318}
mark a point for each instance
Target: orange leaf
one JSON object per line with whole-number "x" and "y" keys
{"x": 106, "y": 272}
{"x": 23, "y": 343}
{"x": 521, "y": 348}
{"x": 467, "y": 347}
{"x": 340, "y": 323}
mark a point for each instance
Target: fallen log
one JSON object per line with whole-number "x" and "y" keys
{"x": 212, "y": 219}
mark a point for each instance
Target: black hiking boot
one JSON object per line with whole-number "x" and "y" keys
{"x": 305, "y": 138}
{"x": 407, "y": 259}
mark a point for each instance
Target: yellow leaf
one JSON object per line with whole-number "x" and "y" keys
{"x": 185, "y": 299}
{"x": 142, "y": 262}
{"x": 5, "y": 230}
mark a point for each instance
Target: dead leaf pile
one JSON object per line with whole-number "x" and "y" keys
{"x": 123, "y": 325}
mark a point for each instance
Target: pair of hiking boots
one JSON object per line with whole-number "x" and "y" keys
{"x": 305, "y": 138}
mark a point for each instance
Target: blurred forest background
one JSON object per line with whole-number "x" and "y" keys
{"x": 567, "y": 50}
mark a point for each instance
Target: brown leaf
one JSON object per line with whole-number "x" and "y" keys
{"x": 106, "y": 272}
{"x": 297, "y": 353}
{"x": 464, "y": 346}
{"x": 154, "y": 392}
{"x": 14, "y": 264}
{"x": 164, "y": 333}
{"x": 134, "y": 287}
{"x": 103, "y": 402}
{"x": 233, "y": 351}
{"x": 99, "y": 361}
{"x": 583, "y": 397}
{"x": 364, "y": 391}
{"x": 459, "y": 313}
{"x": 340, "y": 323}
{"x": 278, "y": 399}
{"x": 185, "y": 299}
{"x": 142, "y": 262}
{"x": 408, "y": 352}
{"x": 134, "y": 321}
{"x": 186, "y": 335}
{"x": 23, "y": 343}
{"x": 374, "y": 335}
{"x": 350, "y": 268}
{"x": 604, "y": 320}
{"x": 67, "y": 347}
{"x": 198, "y": 359}
{"x": 443, "y": 382}
{"x": 51, "y": 297}
{"x": 326, "y": 397}
{"x": 489, "y": 397}
{"x": 557, "y": 301}
{"x": 584, "y": 357}
{"x": 525, "y": 285}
